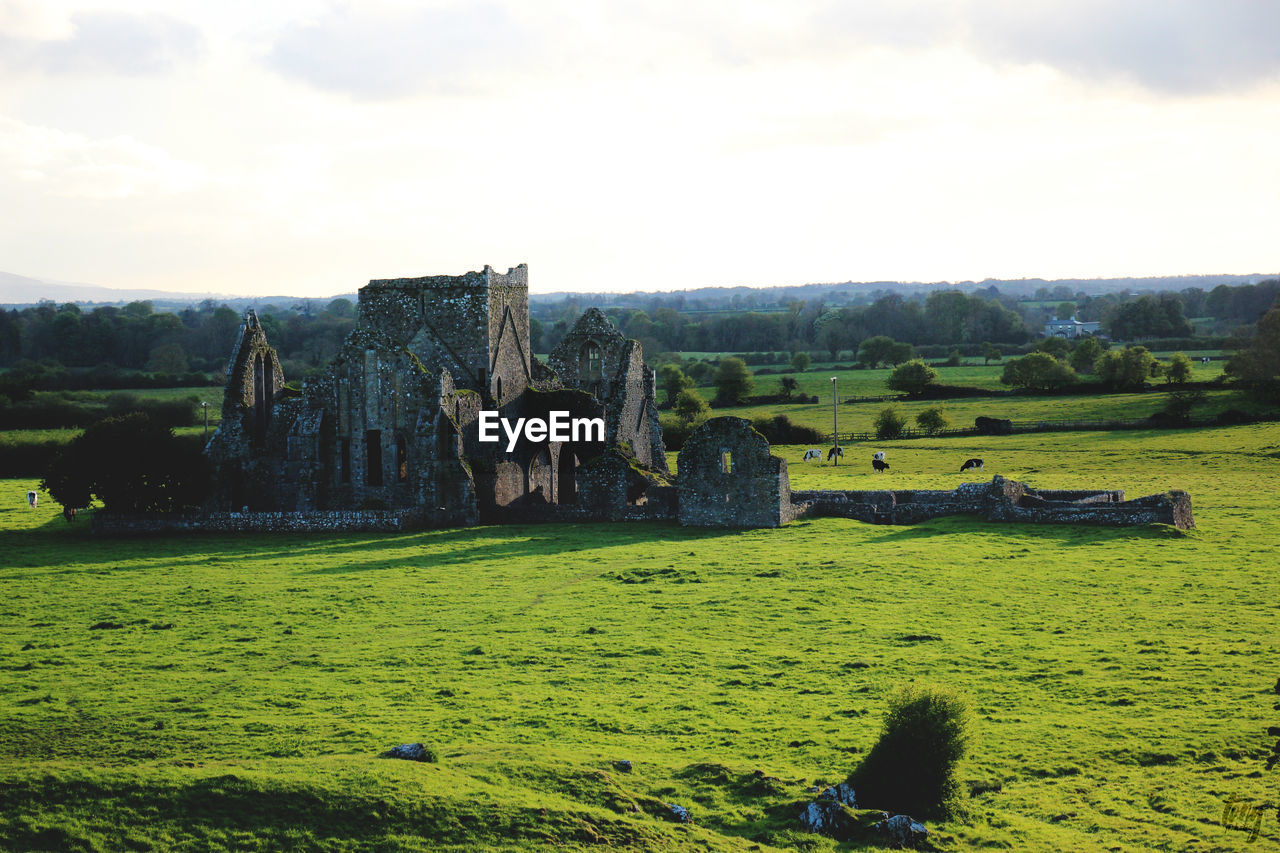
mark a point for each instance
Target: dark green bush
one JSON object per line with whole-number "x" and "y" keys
{"x": 912, "y": 767}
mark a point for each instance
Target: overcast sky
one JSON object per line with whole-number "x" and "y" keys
{"x": 291, "y": 147}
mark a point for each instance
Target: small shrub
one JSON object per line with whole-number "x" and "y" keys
{"x": 889, "y": 423}
{"x": 932, "y": 420}
{"x": 912, "y": 767}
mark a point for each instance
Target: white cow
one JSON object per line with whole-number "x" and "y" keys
{"x": 878, "y": 456}
{"x": 812, "y": 453}
{"x": 32, "y": 499}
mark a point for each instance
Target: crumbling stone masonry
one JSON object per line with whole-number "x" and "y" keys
{"x": 1001, "y": 500}
{"x": 729, "y": 479}
{"x": 392, "y": 424}
{"x": 387, "y": 437}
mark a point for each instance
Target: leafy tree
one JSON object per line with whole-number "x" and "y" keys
{"x": 1085, "y": 354}
{"x": 953, "y": 357}
{"x": 700, "y": 371}
{"x": 1037, "y": 371}
{"x": 801, "y": 361}
{"x": 1149, "y": 316}
{"x": 889, "y": 423}
{"x": 1127, "y": 368}
{"x": 912, "y": 377}
{"x": 875, "y": 350}
{"x": 900, "y": 352}
{"x": 1178, "y": 371}
{"x": 168, "y": 358}
{"x": 789, "y": 386}
{"x": 1055, "y": 346}
{"x": 673, "y": 381}
{"x": 131, "y": 464}
{"x": 733, "y": 381}
{"x": 1065, "y": 310}
{"x": 912, "y": 768}
{"x": 1258, "y": 365}
{"x": 989, "y": 353}
{"x": 690, "y": 408}
{"x": 932, "y": 420}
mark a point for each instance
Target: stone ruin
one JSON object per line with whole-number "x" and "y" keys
{"x": 387, "y": 438}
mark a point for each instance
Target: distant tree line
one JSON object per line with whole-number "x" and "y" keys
{"x": 138, "y": 338}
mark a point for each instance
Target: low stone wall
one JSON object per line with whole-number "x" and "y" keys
{"x": 1000, "y": 500}
{"x": 338, "y": 521}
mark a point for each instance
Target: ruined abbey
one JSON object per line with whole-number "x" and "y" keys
{"x": 389, "y": 437}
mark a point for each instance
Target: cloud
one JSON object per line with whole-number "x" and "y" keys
{"x": 69, "y": 165}
{"x": 372, "y": 56}
{"x": 1174, "y": 46}
{"x": 97, "y": 43}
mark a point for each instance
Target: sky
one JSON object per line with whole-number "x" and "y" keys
{"x": 304, "y": 148}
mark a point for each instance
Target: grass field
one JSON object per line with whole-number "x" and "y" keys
{"x": 233, "y": 693}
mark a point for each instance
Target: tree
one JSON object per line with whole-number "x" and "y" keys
{"x": 801, "y": 361}
{"x": 1127, "y": 368}
{"x": 889, "y": 423}
{"x": 733, "y": 381}
{"x": 989, "y": 353}
{"x": 1065, "y": 310}
{"x": 1257, "y": 366}
{"x": 912, "y": 377}
{"x": 1085, "y": 354}
{"x": 690, "y": 408}
{"x": 1037, "y": 371}
{"x": 912, "y": 767}
{"x": 168, "y": 358}
{"x": 932, "y": 420}
{"x": 131, "y": 464}
{"x": 673, "y": 381}
{"x": 1055, "y": 346}
{"x": 900, "y": 352}
{"x": 1178, "y": 371}
{"x": 875, "y": 350}
{"x": 789, "y": 386}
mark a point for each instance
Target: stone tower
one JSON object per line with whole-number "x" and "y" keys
{"x": 474, "y": 325}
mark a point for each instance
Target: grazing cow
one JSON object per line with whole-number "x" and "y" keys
{"x": 69, "y": 513}
{"x": 879, "y": 465}
{"x": 835, "y": 452}
{"x": 974, "y": 464}
{"x": 32, "y": 499}
{"x": 812, "y": 453}
{"x": 879, "y": 454}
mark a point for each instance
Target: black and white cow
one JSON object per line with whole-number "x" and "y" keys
{"x": 835, "y": 453}
{"x": 971, "y": 464}
{"x": 879, "y": 465}
{"x": 879, "y": 454}
{"x": 32, "y": 499}
{"x": 812, "y": 453}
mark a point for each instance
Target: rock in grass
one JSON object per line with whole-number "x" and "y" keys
{"x": 842, "y": 793}
{"x": 902, "y": 830}
{"x": 680, "y": 813}
{"x": 623, "y": 765}
{"x": 411, "y": 752}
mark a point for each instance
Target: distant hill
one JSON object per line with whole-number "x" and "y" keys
{"x": 17, "y": 291}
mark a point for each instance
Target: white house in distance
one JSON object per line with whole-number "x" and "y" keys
{"x": 1071, "y": 328}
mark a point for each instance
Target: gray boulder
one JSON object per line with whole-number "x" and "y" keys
{"x": 411, "y": 752}
{"x": 902, "y": 830}
{"x": 680, "y": 813}
{"x": 842, "y": 793}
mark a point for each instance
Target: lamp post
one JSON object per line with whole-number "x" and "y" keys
{"x": 205, "y": 406}
{"x": 835, "y": 420}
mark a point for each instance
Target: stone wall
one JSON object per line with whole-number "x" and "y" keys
{"x": 1000, "y": 500}
{"x": 343, "y": 521}
{"x": 728, "y": 478}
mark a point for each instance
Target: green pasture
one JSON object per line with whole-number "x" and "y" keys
{"x": 871, "y": 383}
{"x": 859, "y": 417}
{"x": 234, "y": 692}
